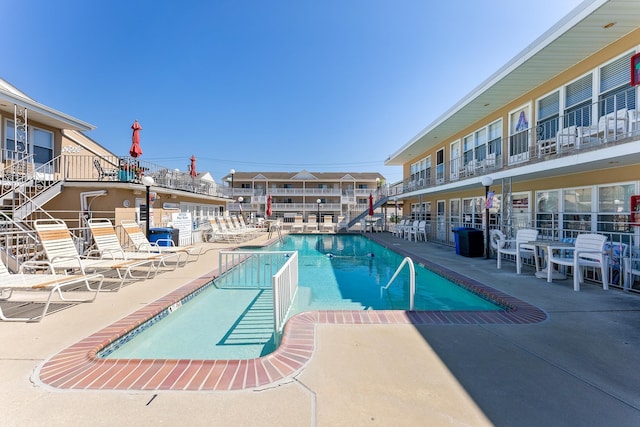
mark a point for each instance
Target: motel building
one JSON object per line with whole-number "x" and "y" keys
{"x": 49, "y": 167}
{"x": 339, "y": 197}
{"x": 552, "y": 139}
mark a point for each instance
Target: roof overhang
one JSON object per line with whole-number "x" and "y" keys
{"x": 579, "y": 35}
{"x": 38, "y": 112}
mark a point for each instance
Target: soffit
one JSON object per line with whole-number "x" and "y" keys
{"x": 578, "y": 36}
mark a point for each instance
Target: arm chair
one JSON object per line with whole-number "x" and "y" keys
{"x": 589, "y": 251}
{"x": 518, "y": 247}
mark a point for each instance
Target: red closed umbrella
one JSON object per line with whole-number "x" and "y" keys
{"x": 192, "y": 167}
{"x": 269, "y": 209}
{"x": 370, "y": 204}
{"x": 135, "y": 150}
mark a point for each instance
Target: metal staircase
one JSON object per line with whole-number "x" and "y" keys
{"x": 24, "y": 190}
{"x": 363, "y": 214}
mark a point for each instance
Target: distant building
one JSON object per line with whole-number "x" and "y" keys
{"x": 341, "y": 194}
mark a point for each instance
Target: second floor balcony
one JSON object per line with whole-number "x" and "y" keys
{"x": 607, "y": 123}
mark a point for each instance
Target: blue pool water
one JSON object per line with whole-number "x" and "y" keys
{"x": 336, "y": 272}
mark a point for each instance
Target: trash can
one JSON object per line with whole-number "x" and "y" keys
{"x": 162, "y": 236}
{"x": 469, "y": 241}
{"x": 456, "y": 232}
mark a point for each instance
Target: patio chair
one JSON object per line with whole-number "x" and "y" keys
{"x": 60, "y": 250}
{"x": 398, "y": 229}
{"x": 327, "y": 224}
{"x": 298, "y": 225}
{"x": 519, "y": 247}
{"x": 231, "y": 225}
{"x": 411, "y": 230}
{"x": 567, "y": 137}
{"x": 111, "y": 173}
{"x": 613, "y": 124}
{"x": 312, "y": 223}
{"x": 141, "y": 243}
{"x": 108, "y": 246}
{"x": 589, "y": 251}
{"x": 50, "y": 282}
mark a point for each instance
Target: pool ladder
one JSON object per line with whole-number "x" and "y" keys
{"x": 412, "y": 280}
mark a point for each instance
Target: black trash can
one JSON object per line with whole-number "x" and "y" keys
{"x": 469, "y": 242}
{"x": 164, "y": 236}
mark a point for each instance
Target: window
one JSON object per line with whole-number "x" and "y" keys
{"x": 472, "y": 212}
{"x": 495, "y": 138}
{"x": 614, "y": 208}
{"x": 616, "y": 92}
{"x": 39, "y": 144}
{"x": 519, "y": 135}
{"x": 577, "y": 209}
{"x": 480, "y": 140}
{"x": 547, "y": 212}
{"x": 440, "y": 166}
{"x": 548, "y": 112}
{"x": 578, "y": 96}
{"x": 42, "y": 146}
{"x": 421, "y": 172}
{"x": 467, "y": 144}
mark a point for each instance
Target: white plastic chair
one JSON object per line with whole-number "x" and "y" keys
{"x": 518, "y": 247}
{"x": 589, "y": 251}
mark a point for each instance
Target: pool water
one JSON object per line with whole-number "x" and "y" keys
{"x": 336, "y": 272}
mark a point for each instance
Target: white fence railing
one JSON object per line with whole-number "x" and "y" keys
{"x": 275, "y": 270}
{"x": 285, "y": 287}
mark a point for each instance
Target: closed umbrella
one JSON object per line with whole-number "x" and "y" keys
{"x": 370, "y": 204}
{"x": 269, "y": 211}
{"x": 192, "y": 167}
{"x": 135, "y": 150}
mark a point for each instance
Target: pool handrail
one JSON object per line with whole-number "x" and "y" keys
{"x": 412, "y": 280}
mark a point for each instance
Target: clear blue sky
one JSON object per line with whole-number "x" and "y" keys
{"x": 323, "y": 85}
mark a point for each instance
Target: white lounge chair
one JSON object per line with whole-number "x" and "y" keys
{"x": 108, "y": 246}
{"x": 518, "y": 247}
{"x": 298, "y": 225}
{"x": 50, "y": 282}
{"x": 589, "y": 251}
{"x": 327, "y": 224}
{"x": 141, "y": 243}
{"x": 61, "y": 252}
{"x": 312, "y": 223}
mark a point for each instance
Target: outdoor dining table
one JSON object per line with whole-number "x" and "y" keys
{"x": 543, "y": 246}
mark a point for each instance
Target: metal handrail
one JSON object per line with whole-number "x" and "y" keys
{"x": 412, "y": 280}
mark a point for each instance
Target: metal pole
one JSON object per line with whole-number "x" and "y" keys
{"x": 486, "y": 205}
{"x": 148, "y": 211}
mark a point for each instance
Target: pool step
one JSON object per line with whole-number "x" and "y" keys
{"x": 255, "y": 324}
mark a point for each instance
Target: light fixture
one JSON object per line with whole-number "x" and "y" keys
{"x": 487, "y": 181}
{"x": 318, "y": 217}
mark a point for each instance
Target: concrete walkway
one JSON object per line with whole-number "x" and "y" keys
{"x": 576, "y": 368}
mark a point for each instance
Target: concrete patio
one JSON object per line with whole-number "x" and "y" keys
{"x": 577, "y": 368}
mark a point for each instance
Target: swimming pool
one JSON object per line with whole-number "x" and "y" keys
{"x": 336, "y": 272}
